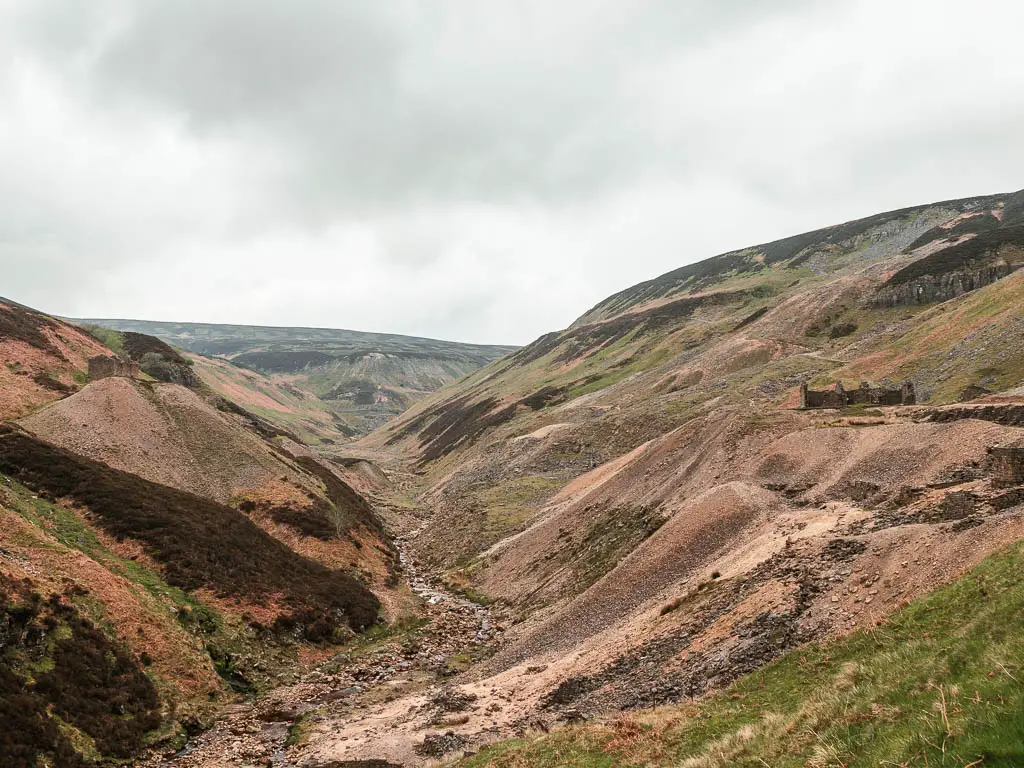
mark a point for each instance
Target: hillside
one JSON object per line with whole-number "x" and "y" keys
{"x": 364, "y": 378}
{"x": 738, "y": 332}
{"x": 43, "y": 358}
{"x": 162, "y": 548}
{"x": 627, "y": 543}
{"x": 919, "y": 688}
{"x": 653, "y": 517}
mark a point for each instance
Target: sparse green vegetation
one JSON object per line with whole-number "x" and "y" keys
{"x": 376, "y": 637}
{"x": 298, "y": 732}
{"x": 841, "y": 330}
{"x": 460, "y": 582}
{"x": 112, "y": 340}
{"x": 510, "y": 503}
{"x": 941, "y": 683}
{"x": 614, "y": 531}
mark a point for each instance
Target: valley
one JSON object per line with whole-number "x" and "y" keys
{"x": 635, "y": 541}
{"x": 354, "y": 379}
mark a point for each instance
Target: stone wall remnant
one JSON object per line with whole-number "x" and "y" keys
{"x": 865, "y": 394}
{"x": 1006, "y": 465}
{"x": 103, "y": 367}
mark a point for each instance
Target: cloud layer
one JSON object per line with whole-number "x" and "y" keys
{"x": 475, "y": 171}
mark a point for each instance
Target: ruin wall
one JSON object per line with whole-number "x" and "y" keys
{"x": 1006, "y": 466}
{"x": 101, "y": 367}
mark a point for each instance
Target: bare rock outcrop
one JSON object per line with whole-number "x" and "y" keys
{"x": 929, "y": 289}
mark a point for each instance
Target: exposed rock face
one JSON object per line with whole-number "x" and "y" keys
{"x": 101, "y": 367}
{"x": 1007, "y": 414}
{"x": 929, "y": 289}
{"x": 169, "y": 371}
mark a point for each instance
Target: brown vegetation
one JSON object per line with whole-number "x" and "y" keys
{"x": 90, "y": 683}
{"x": 198, "y": 543}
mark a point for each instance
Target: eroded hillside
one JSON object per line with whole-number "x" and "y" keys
{"x": 627, "y": 514}
{"x": 162, "y": 549}
{"x": 652, "y": 516}
{"x": 735, "y": 333}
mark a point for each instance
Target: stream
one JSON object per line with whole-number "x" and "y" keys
{"x": 256, "y": 733}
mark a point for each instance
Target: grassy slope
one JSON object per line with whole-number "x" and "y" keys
{"x": 973, "y": 339}
{"x": 941, "y": 683}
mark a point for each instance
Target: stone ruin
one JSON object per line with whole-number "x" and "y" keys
{"x": 102, "y": 367}
{"x": 1006, "y": 465}
{"x": 973, "y": 392}
{"x": 865, "y": 394}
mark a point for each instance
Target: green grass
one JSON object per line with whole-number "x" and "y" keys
{"x": 113, "y": 340}
{"x": 861, "y": 410}
{"x": 941, "y": 683}
{"x": 511, "y": 503}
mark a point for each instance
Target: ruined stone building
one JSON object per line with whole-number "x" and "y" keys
{"x": 973, "y": 392}
{"x": 865, "y": 394}
{"x": 1006, "y": 464}
{"x": 102, "y": 367}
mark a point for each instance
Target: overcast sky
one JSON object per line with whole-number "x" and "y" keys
{"x": 474, "y": 170}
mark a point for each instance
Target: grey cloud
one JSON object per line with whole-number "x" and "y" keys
{"x": 375, "y": 103}
{"x": 475, "y": 170}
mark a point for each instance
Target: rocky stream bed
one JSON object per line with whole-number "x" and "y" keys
{"x": 269, "y": 731}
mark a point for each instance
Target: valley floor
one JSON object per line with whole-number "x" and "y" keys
{"x": 407, "y": 662}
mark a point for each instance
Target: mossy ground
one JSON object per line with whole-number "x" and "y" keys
{"x": 511, "y": 503}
